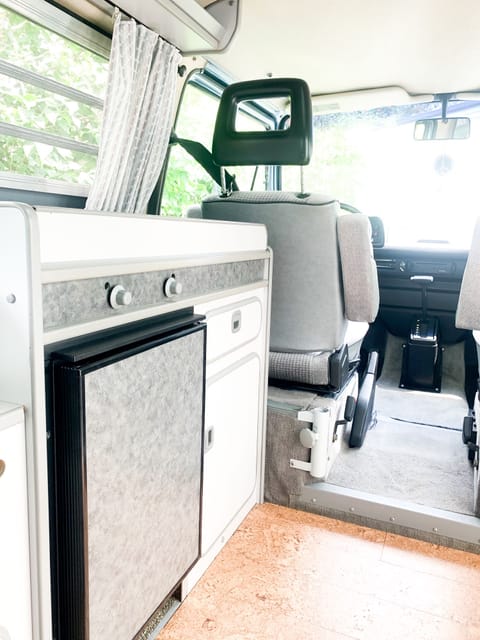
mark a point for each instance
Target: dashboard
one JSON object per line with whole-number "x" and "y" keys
{"x": 401, "y": 296}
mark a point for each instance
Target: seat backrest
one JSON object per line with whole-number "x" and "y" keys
{"x": 468, "y": 308}
{"x": 312, "y": 297}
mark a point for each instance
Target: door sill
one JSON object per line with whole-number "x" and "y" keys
{"x": 388, "y": 514}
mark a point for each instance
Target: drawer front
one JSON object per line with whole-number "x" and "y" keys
{"x": 232, "y": 326}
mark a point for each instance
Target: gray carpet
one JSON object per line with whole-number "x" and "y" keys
{"x": 420, "y": 464}
{"x": 408, "y": 455}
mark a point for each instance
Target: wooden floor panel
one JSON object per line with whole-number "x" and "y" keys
{"x": 288, "y": 575}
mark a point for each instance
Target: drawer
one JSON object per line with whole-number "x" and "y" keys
{"x": 232, "y": 326}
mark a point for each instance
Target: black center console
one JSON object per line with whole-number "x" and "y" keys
{"x": 422, "y": 354}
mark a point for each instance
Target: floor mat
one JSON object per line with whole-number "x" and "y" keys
{"x": 444, "y": 410}
{"x": 417, "y": 463}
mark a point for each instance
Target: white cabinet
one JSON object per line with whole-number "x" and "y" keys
{"x": 47, "y": 254}
{"x": 234, "y": 412}
{"x": 15, "y": 607}
{"x": 231, "y": 429}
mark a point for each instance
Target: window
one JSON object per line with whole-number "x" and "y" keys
{"x": 186, "y": 182}
{"x": 51, "y": 103}
{"x": 424, "y": 191}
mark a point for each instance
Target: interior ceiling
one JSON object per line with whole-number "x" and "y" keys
{"x": 424, "y": 46}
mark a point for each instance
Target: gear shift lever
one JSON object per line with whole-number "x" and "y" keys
{"x": 423, "y": 281}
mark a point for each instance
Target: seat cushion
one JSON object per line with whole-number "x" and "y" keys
{"x": 314, "y": 367}
{"x": 306, "y": 368}
{"x": 354, "y": 337}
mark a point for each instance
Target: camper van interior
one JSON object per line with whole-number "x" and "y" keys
{"x": 239, "y": 319}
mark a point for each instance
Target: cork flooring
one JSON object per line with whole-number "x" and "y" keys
{"x": 288, "y": 575}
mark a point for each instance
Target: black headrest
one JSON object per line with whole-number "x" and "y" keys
{"x": 292, "y": 146}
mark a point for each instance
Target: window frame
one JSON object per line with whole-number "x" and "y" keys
{"x": 70, "y": 28}
{"x": 212, "y": 81}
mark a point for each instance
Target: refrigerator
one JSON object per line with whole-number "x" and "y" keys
{"x": 126, "y": 449}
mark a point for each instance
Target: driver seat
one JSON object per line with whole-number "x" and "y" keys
{"x": 324, "y": 284}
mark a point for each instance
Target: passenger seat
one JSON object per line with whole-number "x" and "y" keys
{"x": 324, "y": 286}
{"x": 468, "y": 317}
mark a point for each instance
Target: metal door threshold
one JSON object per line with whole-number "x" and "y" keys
{"x": 388, "y": 514}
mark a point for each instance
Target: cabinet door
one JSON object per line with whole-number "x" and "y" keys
{"x": 15, "y": 619}
{"x": 231, "y": 430}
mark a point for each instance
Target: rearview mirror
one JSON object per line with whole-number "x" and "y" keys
{"x": 442, "y": 129}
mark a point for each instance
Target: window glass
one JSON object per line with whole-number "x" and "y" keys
{"x": 48, "y": 129}
{"x": 424, "y": 190}
{"x": 186, "y": 182}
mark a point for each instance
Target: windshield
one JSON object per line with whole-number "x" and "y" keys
{"x": 425, "y": 191}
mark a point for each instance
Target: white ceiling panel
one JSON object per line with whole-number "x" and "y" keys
{"x": 424, "y": 46}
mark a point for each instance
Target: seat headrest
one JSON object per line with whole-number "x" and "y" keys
{"x": 291, "y": 146}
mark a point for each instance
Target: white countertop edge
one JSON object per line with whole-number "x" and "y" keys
{"x": 10, "y": 415}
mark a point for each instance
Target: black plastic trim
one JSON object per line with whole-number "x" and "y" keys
{"x": 400, "y": 298}
{"x": 365, "y": 403}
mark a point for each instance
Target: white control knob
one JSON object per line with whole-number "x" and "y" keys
{"x": 172, "y": 287}
{"x": 119, "y": 297}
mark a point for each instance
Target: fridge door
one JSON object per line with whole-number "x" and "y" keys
{"x": 128, "y": 432}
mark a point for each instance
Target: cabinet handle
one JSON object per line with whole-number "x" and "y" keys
{"x": 209, "y": 438}
{"x": 236, "y": 321}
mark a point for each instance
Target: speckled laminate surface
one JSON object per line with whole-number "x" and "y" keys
{"x": 72, "y": 302}
{"x": 288, "y": 575}
{"x": 143, "y": 464}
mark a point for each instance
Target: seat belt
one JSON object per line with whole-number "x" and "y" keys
{"x": 204, "y": 158}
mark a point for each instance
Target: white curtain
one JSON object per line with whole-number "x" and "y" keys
{"x": 137, "y": 119}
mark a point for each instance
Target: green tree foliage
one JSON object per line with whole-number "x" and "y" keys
{"x": 32, "y": 47}
{"x": 186, "y": 182}
{"x": 35, "y": 48}
{"x": 336, "y": 163}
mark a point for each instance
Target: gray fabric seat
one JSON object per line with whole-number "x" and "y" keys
{"x": 468, "y": 308}
{"x": 324, "y": 288}
{"x": 324, "y": 275}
